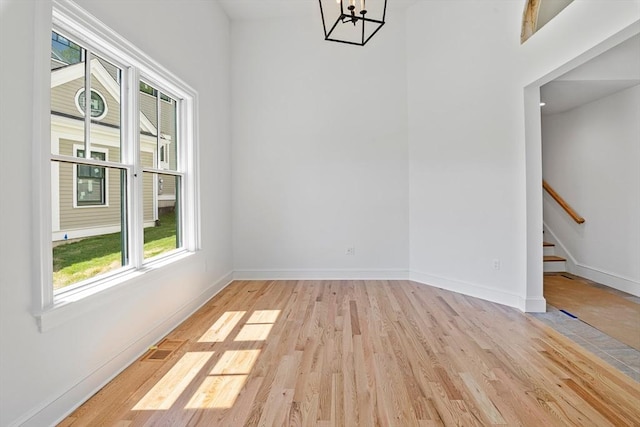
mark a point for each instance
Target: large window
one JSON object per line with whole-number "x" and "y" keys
{"x": 123, "y": 177}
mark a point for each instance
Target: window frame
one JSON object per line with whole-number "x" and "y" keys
{"x": 72, "y": 21}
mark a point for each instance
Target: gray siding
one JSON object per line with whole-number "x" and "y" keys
{"x": 63, "y": 100}
{"x": 147, "y": 184}
{"x": 168, "y": 121}
{"x": 169, "y": 185}
{"x": 100, "y": 216}
{"x": 167, "y": 113}
{"x": 88, "y": 217}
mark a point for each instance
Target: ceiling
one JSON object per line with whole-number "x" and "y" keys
{"x": 612, "y": 71}
{"x": 265, "y": 9}
{"x": 238, "y": 10}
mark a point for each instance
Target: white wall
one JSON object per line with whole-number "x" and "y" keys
{"x": 319, "y": 151}
{"x": 42, "y": 375}
{"x": 591, "y": 156}
{"x": 466, "y": 162}
{"x": 475, "y": 169}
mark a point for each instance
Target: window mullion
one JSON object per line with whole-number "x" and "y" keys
{"x": 159, "y": 118}
{"x": 131, "y": 155}
{"x": 87, "y": 104}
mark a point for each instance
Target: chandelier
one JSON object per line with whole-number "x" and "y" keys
{"x": 352, "y": 21}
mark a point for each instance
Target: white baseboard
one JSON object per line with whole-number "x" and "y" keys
{"x": 533, "y": 305}
{"x": 505, "y": 298}
{"x": 610, "y": 279}
{"x": 49, "y": 414}
{"x": 470, "y": 289}
{"x": 381, "y": 274}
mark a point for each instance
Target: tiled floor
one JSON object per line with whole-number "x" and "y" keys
{"x": 617, "y": 354}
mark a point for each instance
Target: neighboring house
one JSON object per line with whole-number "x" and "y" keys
{"x": 86, "y": 200}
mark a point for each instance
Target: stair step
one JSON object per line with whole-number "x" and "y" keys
{"x": 554, "y": 263}
{"x": 547, "y": 244}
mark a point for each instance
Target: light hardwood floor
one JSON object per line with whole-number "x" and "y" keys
{"x": 362, "y": 353}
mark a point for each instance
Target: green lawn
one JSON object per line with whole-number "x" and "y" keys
{"x": 73, "y": 262}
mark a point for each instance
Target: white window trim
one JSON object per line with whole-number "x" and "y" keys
{"x": 77, "y": 147}
{"x": 95, "y": 36}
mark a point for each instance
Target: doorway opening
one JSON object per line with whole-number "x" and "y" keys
{"x": 533, "y": 154}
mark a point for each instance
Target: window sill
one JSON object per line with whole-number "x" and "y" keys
{"x": 74, "y": 303}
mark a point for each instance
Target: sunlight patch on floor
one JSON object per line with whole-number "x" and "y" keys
{"x": 264, "y": 316}
{"x": 217, "y": 392}
{"x": 166, "y": 391}
{"x": 259, "y": 325}
{"x": 236, "y": 362}
{"x": 254, "y": 332}
{"x": 219, "y": 331}
{"x": 225, "y": 381}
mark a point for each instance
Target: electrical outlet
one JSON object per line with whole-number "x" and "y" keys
{"x": 351, "y": 250}
{"x": 496, "y": 264}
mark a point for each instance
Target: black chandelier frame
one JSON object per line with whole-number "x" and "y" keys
{"x": 352, "y": 17}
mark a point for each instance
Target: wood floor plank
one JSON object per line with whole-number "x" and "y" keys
{"x": 604, "y": 310}
{"x": 363, "y": 353}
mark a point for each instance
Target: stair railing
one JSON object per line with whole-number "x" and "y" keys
{"x": 568, "y": 209}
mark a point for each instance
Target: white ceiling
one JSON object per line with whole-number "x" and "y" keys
{"x": 238, "y": 10}
{"x": 265, "y": 9}
{"x": 564, "y": 96}
{"x": 614, "y": 70}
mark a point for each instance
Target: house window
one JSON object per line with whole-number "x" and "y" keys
{"x": 98, "y": 104}
{"x": 147, "y": 139}
{"x": 90, "y": 181}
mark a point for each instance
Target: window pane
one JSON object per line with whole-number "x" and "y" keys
{"x": 87, "y": 240}
{"x": 67, "y": 84}
{"x": 91, "y": 191}
{"x": 161, "y": 214}
{"x": 105, "y": 106}
{"x": 148, "y": 125}
{"x": 168, "y": 130}
{"x": 64, "y": 52}
{"x": 158, "y": 112}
